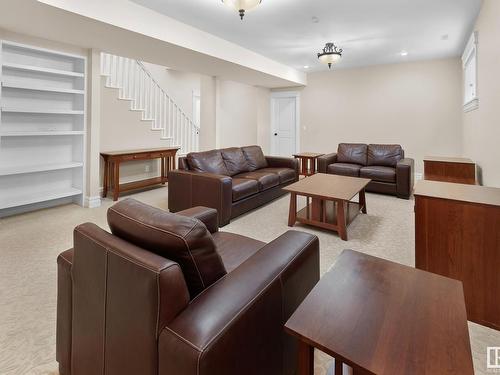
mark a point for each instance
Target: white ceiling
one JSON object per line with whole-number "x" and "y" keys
{"x": 371, "y": 32}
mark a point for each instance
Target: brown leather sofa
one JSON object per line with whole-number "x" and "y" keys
{"x": 232, "y": 180}
{"x": 168, "y": 294}
{"x": 385, "y": 165}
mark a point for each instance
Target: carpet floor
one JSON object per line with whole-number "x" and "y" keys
{"x": 30, "y": 243}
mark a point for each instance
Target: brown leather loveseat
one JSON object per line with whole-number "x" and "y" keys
{"x": 232, "y": 180}
{"x": 385, "y": 165}
{"x": 168, "y": 294}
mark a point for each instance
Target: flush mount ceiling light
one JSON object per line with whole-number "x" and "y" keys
{"x": 242, "y": 5}
{"x": 331, "y": 54}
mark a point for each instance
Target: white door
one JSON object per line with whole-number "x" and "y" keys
{"x": 284, "y": 126}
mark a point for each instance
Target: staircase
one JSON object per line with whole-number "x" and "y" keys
{"x": 136, "y": 84}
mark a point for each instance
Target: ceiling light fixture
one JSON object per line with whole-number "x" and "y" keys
{"x": 306, "y": 66}
{"x": 242, "y": 5}
{"x": 404, "y": 53}
{"x": 331, "y": 54}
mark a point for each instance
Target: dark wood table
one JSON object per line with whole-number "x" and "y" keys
{"x": 113, "y": 160}
{"x": 383, "y": 318}
{"x": 457, "y": 234}
{"x": 450, "y": 169}
{"x": 328, "y": 201}
{"x": 307, "y": 162}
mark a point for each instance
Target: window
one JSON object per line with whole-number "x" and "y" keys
{"x": 469, "y": 63}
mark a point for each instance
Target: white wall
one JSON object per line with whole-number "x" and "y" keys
{"x": 208, "y": 128}
{"x": 481, "y": 131}
{"x": 243, "y": 114}
{"x": 417, "y": 105}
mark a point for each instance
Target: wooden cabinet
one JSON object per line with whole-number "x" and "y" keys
{"x": 457, "y": 229}
{"x": 445, "y": 169}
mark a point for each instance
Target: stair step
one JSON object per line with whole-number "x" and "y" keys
{"x": 166, "y": 138}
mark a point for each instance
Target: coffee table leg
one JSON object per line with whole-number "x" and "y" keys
{"x": 316, "y": 209}
{"x": 341, "y": 222}
{"x": 362, "y": 201}
{"x": 306, "y": 359}
{"x": 292, "y": 215}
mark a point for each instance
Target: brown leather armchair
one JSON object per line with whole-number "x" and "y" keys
{"x": 169, "y": 294}
{"x": 386, "y": 165}
{"x": 232, "y": 180}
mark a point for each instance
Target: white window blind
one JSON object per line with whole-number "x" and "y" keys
{"x": 469, "y": 63}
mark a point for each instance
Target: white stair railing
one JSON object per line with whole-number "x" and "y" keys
{"x": 136, "y": 84}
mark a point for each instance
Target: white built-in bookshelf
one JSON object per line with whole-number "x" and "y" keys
{"x": 42, "y": 127}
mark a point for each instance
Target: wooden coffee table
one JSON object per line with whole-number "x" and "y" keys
{"x": 328, "y": 201}
{"x": 383, "y": 318}
{"x": 307, "y": 162}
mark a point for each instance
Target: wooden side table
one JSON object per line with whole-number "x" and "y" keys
{"x": 307, "y": 162}
{"x": 446, "y": 169}
{"x": 380, "y": 317}
{"x": 112, "y": 161}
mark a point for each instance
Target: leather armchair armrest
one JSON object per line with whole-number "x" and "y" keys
{"x": 282, "y": 162}
{"x": 64, "y": 311}
{"x": 187, "y": 189}
{"x": 123, "y": 296}
{"x": 405, "y": 177}
{"x": 325, "y": 160}
{"x": 249, "y": 305}
{"x": 207, "y": 216}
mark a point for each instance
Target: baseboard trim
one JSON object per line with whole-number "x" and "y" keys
{"x": 92, "y": 202}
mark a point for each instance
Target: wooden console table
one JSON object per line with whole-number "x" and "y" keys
{"x": 445, "y": 169}
{"x": 457, "y": 230}
{"x": 113, "y": 159}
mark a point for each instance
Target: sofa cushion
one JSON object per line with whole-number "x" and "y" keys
{"x": 235, "y": 160}
{"x": 234, "y": 249}
{"x": 266, "y": 180}
{"x": 244, "y": 187}
{"x": 353, "y": 153}
{"x": 377, "y": 173}
{"x": 255, "y": 157}
{"x": 179, "y": 238}
{"x": 285, "y": 174}
{"x": 384, "y": 155}
{"x": 344, "y": 169}
{"x": 207, "y": 161}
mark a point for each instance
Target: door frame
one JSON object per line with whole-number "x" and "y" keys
{"x": 285, "y": 94}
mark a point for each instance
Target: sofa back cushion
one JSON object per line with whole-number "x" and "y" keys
{"x": 207, "y": 161}
{"x": 182, "y": 239}
{"x": 354, "y": 153}
{"x": 385, "y": 155}
{"x": 255, "y": 157}
{"x": 235, "y": 160}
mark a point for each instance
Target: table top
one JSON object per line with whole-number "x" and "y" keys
{"x": 446, "y": 159}
{"x": 458, "y": 192}
{"x": 329, "y": 186}
{"x": 386, "y": 318}
{"x": 140, "y": 151}
{"x": 307, "y": 155}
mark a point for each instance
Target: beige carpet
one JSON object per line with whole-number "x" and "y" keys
{"x": 30, "y": 243}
